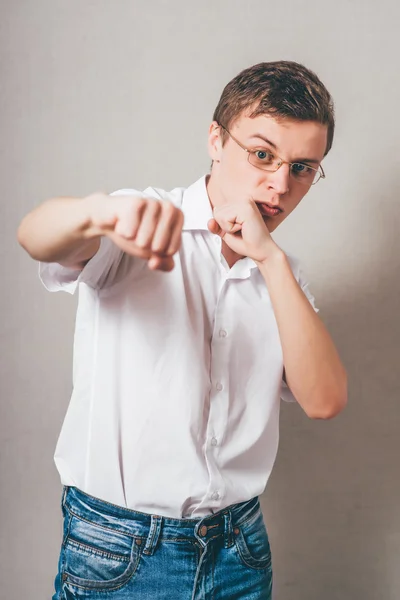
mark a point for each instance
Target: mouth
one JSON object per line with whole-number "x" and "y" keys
{"x": 267, "y": 210}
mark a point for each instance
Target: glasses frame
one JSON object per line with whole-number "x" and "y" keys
{"x": 281, "y": 162}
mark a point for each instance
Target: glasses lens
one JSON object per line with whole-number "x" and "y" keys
{"x": 305, "y": 174}
{"x": 268, "y": 162}
{"x": 263, "y": 160}
{"x": 317, "y": 177}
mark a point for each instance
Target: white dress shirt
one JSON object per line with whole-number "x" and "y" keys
{"x": 177, "y": 376}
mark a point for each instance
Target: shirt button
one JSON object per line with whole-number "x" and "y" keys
{"x": 222, "y": 333}
{"x": 214, "y": 441}
{"x": 215, "y": 496}
{"x": 219, "y": 386}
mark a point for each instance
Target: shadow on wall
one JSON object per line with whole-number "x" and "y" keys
{"x": 332, "y": 504}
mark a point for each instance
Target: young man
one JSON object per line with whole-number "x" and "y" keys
{"x": 172, "y": 430}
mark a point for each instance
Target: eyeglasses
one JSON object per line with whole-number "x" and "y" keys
{"x": 266, "y": 161}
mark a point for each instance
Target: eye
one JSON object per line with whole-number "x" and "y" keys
{"x": 263, "y": 155}
{"x": 300, "y": 169}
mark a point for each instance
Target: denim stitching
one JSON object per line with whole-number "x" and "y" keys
{"x": 109, "y": 589}
{"x": 116, "y": 587}
{"x": 135, "y": 537}
{"x": 252, "y": 517}
{"x": 154, "y": 531}
{"x": 255, "y": 560}
{"x": 95, "y": 550}
{"x": 72, "y": 513}
{"x": 175, "y": 539}
{"x": 66, "y": 536}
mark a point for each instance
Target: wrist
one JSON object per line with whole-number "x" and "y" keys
{"x": 275, "y": 268}
{"x": 91, "y": 209}
{"x": 275, "y": 256}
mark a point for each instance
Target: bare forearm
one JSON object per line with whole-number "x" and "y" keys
{"x": 314, "y": 371}
{"x": 59, "y": 231}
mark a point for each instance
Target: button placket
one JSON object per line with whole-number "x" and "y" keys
{"x": 218, "y": 399}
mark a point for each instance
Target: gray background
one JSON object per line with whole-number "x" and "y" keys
{"x": 99, "y": 95}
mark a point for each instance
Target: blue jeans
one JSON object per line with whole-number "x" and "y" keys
{"x": 114, "y": 553}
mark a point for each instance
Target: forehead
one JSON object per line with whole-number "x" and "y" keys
{"x": 292, "y": 138}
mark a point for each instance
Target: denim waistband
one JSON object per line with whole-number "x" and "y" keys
{"x": 151, "y": 527}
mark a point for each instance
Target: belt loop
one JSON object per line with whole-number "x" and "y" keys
{"x": 154, "y": 534}
{"x": 228, "y": 537}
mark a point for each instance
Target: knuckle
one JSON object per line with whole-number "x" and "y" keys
{"x": 154, "y": 206}
{"x": 137, "y": 203}
{"x": 169, "y": 209}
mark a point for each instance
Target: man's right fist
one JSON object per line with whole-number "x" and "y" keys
{"x": 143, "y": 227}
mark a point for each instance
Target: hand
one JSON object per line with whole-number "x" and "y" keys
{"x": 243, "y": 229}
{"x": 143, "y": 227}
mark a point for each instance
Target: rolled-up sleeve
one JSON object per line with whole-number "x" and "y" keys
{"x": 100, "y": 271}
{"x": 100, "y": 268}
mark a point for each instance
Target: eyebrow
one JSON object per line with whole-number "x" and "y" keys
{"x": 298, "y": 160}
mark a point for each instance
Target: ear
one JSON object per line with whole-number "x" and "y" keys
{"x": 214, "y": 141}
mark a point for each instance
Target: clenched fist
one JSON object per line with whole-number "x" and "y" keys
{"x": 143, "y": 227}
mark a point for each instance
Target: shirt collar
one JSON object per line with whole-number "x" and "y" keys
{"x": 196, "y": 206}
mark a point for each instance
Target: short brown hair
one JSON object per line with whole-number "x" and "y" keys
{"x": 282, "y": 89}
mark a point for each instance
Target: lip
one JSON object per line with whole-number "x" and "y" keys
{"x": 268, "y": 210}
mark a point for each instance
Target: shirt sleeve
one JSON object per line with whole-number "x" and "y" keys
{"x": 303, "y": 283}
{"x": 286, "y": 393}
{"x": 100, "y": 271}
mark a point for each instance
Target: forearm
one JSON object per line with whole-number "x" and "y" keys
{"x": 314, "y": 371}
{"x": 59, "y": 231}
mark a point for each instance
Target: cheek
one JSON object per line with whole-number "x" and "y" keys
{"x": 240, "y": 179}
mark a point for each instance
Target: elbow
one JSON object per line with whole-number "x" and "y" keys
{"x": 328, "y": 411}
{"x": 20, "y": 234}
{"x": 27, "y": 239}
{"x": 330, "y": 402}
{"x": 23, "y": 236}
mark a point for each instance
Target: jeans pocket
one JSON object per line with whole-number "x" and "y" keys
{"x": 252, "y": 543}
{"x": 96, "y": 557}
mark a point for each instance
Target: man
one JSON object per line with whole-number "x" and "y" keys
{"x": 172, "y": 430}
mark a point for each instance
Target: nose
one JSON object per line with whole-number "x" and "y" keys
{"x": 279, "y": 180}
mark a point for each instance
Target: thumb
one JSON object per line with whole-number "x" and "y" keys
{"x": 160, "y": 263}
{"x": 214, "y": 227}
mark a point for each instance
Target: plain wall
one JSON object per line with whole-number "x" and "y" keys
{"x": 99, "y": 95}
